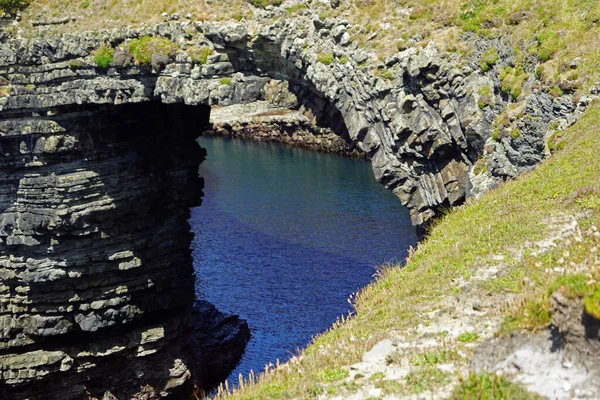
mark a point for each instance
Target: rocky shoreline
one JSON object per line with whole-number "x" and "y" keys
{"x": 262, "y": 122}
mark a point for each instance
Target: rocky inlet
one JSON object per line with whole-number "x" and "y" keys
{"x": 99, "y": 170}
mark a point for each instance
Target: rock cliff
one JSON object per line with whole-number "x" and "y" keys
{"x": 99, "y": 172}
{"x": 94, "y": 253}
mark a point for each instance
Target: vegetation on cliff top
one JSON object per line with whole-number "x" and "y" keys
{"x": 556, "y": 34}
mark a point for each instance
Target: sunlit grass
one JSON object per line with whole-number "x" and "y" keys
{"x": 467, "y": 238}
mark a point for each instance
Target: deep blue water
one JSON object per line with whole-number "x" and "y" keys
{"x": 285, "y": 235}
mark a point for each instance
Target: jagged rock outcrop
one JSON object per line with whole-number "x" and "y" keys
{"x": 420, "y": 124}
{"x": 95, "y": 263}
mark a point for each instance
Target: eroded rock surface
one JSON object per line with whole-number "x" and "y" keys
{"x": 96, "y": 288}
{"x": 420, "y": 124}
{"x": 94, "y": 202}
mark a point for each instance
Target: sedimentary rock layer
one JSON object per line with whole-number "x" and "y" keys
{"x": 96, "y": 288}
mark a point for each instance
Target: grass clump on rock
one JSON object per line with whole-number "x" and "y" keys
{"x": 265, "y": 3}
{"x": 103, "y": 56}
{"x": 325, "y": 58}
{"x": 144, "y": 48}
{"x": 490, "y": 387}
{"x": 488, "y": 60}
{"x": 200, "y": 54}
{"x": 13, "y": 5}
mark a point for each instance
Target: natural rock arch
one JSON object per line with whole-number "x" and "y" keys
{"x": 89, "y": 156}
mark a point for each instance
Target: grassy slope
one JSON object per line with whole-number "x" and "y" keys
{"x": 468, "y": 238}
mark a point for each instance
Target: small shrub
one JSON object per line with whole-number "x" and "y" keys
{"x": 325, "y": 58}
{"x": 143, "y": 48}
{"x": 85, "y": 4}
{"x": 467, "y": 337}
{"x": 344, "y": 60}
{"x": 200, "y": 54}
{"x": 225, "y": 81}
{"x": 103, "y": 56}
{"x": 488, "y": 59}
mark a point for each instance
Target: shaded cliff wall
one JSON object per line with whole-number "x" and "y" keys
{"x": 96, "y": 287}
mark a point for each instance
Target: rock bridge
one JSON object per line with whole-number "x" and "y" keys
{"x": 99, "y": 170}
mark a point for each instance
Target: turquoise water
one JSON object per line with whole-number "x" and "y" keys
{"x": 285, "y": 235}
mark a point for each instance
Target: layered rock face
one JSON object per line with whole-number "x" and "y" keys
{"x": 98, "y": 176}
{"x": 418, "y": 116}
{"x": 96, "y": 273}
{"x": 422, "y": 129}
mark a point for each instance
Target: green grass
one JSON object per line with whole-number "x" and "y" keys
{"x": 332, "y": 375}
{"x": 434, "y": 357}
{"x": 488, "y": 59}
{"x": 225, "y": 81}
{"x": 344, "y": 60}
{"x": 389, "y": 387}
{"x": 325, "y": 58}
{"x": 295, "y": 8}
{"x": 199, "y": 54}
{"x": 490, "y": 387}
{"x": 425, "y": 379}
{"x": 465, "y": 239}
{"x": 265, "y": 3}
{"x": 103, "y": 56}
{"x": 467, "y": 337}
{"x": 143, "y": 48}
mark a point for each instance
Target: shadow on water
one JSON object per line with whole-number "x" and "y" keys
{"x": 285, "y": 235}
